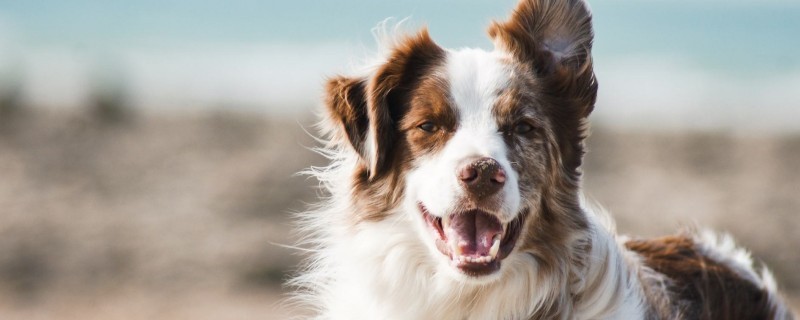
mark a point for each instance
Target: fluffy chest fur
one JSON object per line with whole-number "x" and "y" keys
{"x": 381, "y": 271}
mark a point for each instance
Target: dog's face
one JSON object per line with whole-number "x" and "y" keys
{"x": 477, "y": 133}
{"x": 480, "y": 149}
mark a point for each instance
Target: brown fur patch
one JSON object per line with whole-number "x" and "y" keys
{"x": 702, "y": 288}
{"x": 390, "y": 105}
{"x": 554, "y": 90}
{"x": 553, "y": 40}
{"x": 430, "y": 103}
{"x": 549, "y": 188}
{"x": 391, "y": 90}
{"x": 527, "y": 153}
{"x": 347, "y": 110}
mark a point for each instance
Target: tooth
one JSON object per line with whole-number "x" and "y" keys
{"x": 458, "y": 250}
{"x": 458, "y": 247}
{"x": 495, "y": 247}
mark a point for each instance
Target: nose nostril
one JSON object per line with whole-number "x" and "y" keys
{"x": 499, "y": 177}
{"x": 468, "y": 174}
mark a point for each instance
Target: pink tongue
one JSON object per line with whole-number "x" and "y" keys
{"x": 471, "y": 233}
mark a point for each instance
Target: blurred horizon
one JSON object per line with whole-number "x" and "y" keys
{"x": 664, "y": 65}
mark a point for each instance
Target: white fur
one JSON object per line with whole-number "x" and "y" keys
{"x": 475, "y": 76}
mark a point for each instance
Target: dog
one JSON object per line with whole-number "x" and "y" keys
{"x": 454, "y": 192}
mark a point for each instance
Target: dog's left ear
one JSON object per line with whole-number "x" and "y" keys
{"x": 554, "y": 37}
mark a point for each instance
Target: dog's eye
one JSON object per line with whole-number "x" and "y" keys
{"x": 428, "y": 126}
{"x": 523, "y": 128}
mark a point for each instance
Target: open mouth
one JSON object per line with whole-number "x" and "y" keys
{"x": 474, "y": 240}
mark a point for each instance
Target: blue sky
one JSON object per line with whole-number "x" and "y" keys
{"x": 658, "y": 59}
{"x": 752, "y": 34}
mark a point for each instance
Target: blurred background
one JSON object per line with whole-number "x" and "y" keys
{"x": 148, "y": 148}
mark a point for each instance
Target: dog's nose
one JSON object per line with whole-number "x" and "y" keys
{"x": 482, "y": 177}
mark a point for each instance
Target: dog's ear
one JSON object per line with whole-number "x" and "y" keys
{"x": 347, "y": 109}
{"x": 367, "y": 110}
{"x": 389, "y": 92}
{"x": 554, "y": 37}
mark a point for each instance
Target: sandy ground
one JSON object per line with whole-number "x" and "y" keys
{"x": 184, "y": 216}
{"x": 152, "y": 305}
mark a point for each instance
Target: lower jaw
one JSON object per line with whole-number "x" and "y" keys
{"x": 479, "y": 270}
{"x": 469, "y": 268}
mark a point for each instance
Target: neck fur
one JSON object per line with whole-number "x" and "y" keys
{"x": 364, "y": 278}
{"x": 608, "y": 287}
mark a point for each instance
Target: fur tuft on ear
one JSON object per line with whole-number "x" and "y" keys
{"x": 366, "y": 110}
{"x": 555, "y": 38}
{"x": 347, "y": 109}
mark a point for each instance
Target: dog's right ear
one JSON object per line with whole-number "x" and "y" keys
{"x": 346, "y": 105}
{"x": 365, "y": 111}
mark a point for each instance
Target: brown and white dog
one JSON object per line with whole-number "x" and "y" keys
{"x": 455, "y": 193}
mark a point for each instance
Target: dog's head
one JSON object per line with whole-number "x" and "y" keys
{"x": 481, "y": 149}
